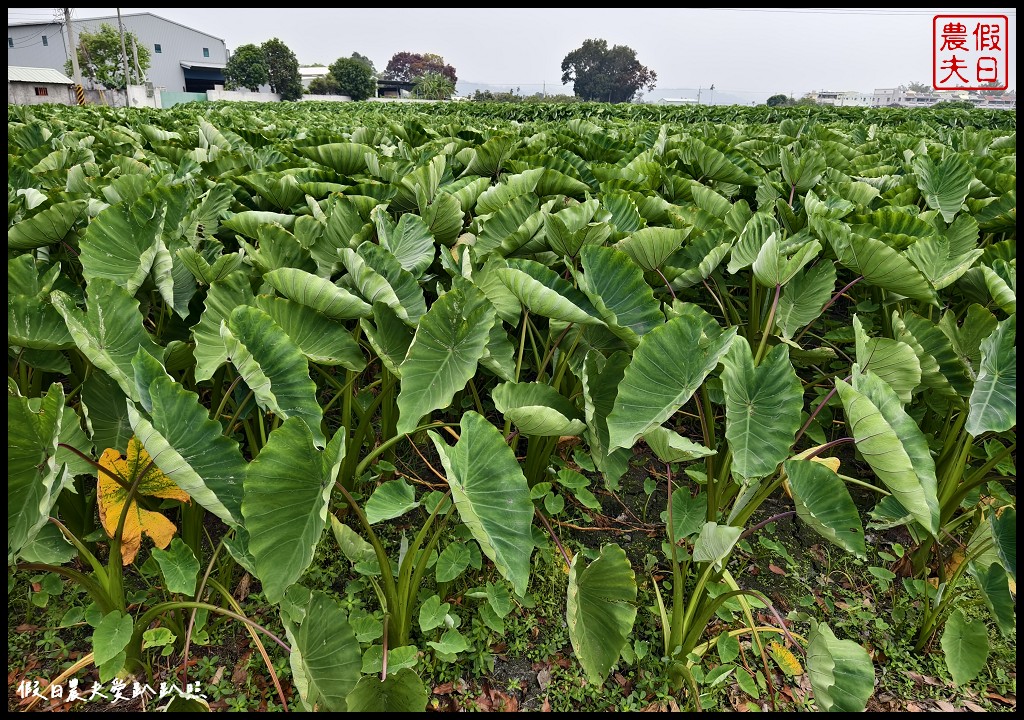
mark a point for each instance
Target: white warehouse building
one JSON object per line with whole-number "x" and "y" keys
{"x": 182, "y": 59}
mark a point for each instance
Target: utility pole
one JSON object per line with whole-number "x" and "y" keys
{"x": 712, "y": 101}
{"x": 698, "y": 95}
{"x": 135, "y": 56}
{"x": 79, "y": 92}
{"x": 124, "y": 57}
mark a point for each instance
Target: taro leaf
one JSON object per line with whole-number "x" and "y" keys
{"x": 505, "y": 303}
{"x": 409, "y": 242}
{"x": 452, "y": 643}
{"x": 122, "y": 242}
{"x": 46, "y": 227}
{"x": 491, "y": 495}
{"x": 380, "y": 278}
{"x": 601, "y": 378}
{"x": 389, "y": 336}
{"x": 994, "y": 585}
{"x": 432, "y": 613}
{"x": 944, "y": 258}
{"x": 106, "y": 412}
{"x": 715, "y": 542}
{"x": 222, "y": 298}
{"x": 993, "y": 401}
{"x": 755, "y": 234}
{"x": 944, "y": 186}
{"x": 824, "y": 503}
{"x": 672, "y": 447}
{"x": 892, "y": 444}
{"x": 804, "y": 297}
{"x": 804, "y": 172}
{"x": 651, "y": 247}
{"x": 966, "y": 339}
{"x": 392, "y": 499}
{"x": 272, "y": 367}
{"x": 179, "y": 567}
{"x": 841, "y": 674}
{"x": 112, "y": 495}
{"x": 490, "y": 158}
{"x": 543, "y": 292}
{"x": 452, "y": 562}
{"x": 353, "y": 547}
{"x": 888, "y": 269}
{"x": 617, "y": 288}
{"x": 32, "y": 472}
{"x": 109, "y": 332}
{"x": 774, "y": 266}
{"x": 600, "y": 610}
{"x": 444, "y": 218}
{"x": 449, "y": 342}
{"x": 893, "y": 361}
{"x": 939, "y": 345}
{"x": 537, "y": 409}
{"x": 762, "y": 408}
{"x": 111, "y": 637}
{"x": 32, "y": 322}
{"x": 321, "y": 339}
{"x": 250, "y": 222}
{"x": 1000, "y": 280}
{"x": 325, "y": 657}
{"x": 189, "y": 447}
{"x": 203, "y": 271}
{"x": 315, "y": 292}
{"x": 285, "y": 503}
{"x": 965, "y": 644}
{"x": 670, "y": 364}
{"x": 401, "y": 691}
{"x": 347, "y": 158}
{"x": 1004, "y": 532}
{"x": 689, "y": 513}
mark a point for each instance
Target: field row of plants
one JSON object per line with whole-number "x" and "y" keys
{"x": 231, "y": 326}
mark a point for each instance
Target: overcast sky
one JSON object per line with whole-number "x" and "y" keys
{"x": 741, "y": 50}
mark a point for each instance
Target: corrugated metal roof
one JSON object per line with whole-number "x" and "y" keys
{"x": 37, "y": 75}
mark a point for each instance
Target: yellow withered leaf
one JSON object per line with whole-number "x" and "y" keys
{"x": 785, "y": 659}
{"x": 111, "y": 497}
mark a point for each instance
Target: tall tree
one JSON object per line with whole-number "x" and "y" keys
{"x": 246, "y": 68}
{"x": 434, "y": 86}
{"x": 608, "y": 75}
{"x": 282, "y": 69}
{"x": 366, "y": 61}
{"x": 407, "y": 67}
{"x": 353, "y": 78}
{"x": 99, "y": 56}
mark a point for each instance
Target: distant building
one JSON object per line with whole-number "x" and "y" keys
{"x": 182, "y": 59}
{"x": 902, "y": 97}
{"x": 394, "y": 88}
{"x": 678, "y": 101}
{"x": 38, "y": 86}
{"x": 310, "y": 73}
{"x": 841, "y": 98}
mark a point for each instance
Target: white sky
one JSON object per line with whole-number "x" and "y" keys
{"x": 744, "y": 50}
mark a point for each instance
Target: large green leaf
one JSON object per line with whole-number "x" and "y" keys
{"x": 32, "y": 472}
{"x": 179, "y": 567}
{"x": 222, "y": 298}
{"x": 272, "y": 367}
{"x": 287, "y": 488}
{"x": 600, "y": 610}
{"x": 762, "y": 408}
{"x": 993, "y": 401}
{"x": 399, "y": 692}
{"x": 543, "y": 292}
{"x": 715, "y": 543}
{"x": 344, "y": 158}
{"x": 32, "y": 322}
{"x": 46, "y": 227}
{"x": 651, "y": 247}
{"x": 449, "y": 342}
{"x": 824, "y": 503}
{"x": 318, "y": 293}
{"x": 841, "y": 674}
{"x": 389, "y": 336}
{"x": 325, "y": 656}
{"x": 106, "y": 413}
{"x": 320, "y": 339}
{"x": 189, "y": 447}
{"x": 944, "y": 186}
{"x": 804, "y": 297}
{"x": 944, "y": 258}
{"x": 892, "y": 360}
{"x": 754, "y": 235}
{"x": 892, "y": 444}
{"x": 379, "y": 277}
{"x": 1004, "y": 532}
{"x": 672, "y": 447}
{"x": 410, "y": 241}
{"x": 491, "y": 495}
{"x": 109, "y": 332}
{"x": 537, "y": 409}
{"x": 965, "y": 643}
{"x": 121, "y": 243}
{"x": 601, "y": 378}
{"x": 670, "y": 363}
{"x": 617, "y": 288}
{"x": 774, "y": 265}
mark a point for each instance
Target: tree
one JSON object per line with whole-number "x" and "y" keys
{"x": 325, "y": 85}
{"x": 366, "y": 61}
{"x": 779, "y": 101}
{"x": 407, "y": 67}
{"x": 282, "y": 69}
{"x": 353, "y": 78}
{"x": 100, "y": 59}
{"x": 919, "y": 87}
{"x": 247, "y": 68}
{"x": 434, "y": 86}
{"x": 598, "y": 73}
